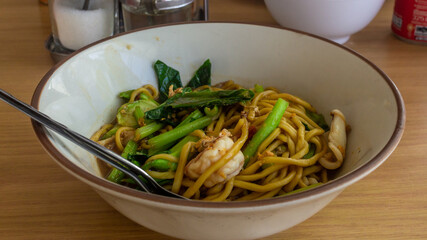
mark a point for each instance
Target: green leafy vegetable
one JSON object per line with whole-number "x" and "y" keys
{"x": 202, "y": 76}
{"x": 139, "y": 156}
{"x": 166, "y": 76}
{"x": 318, "y": 119}
{"x": 197, "y": 100}
{"x": 125, "y": 115}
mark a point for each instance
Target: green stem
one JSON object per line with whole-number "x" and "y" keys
{"x": 161, "y": 165}
{"x": 267, "y": 127}
{"x": 147, "y": 130}
{"x": 196, "y": 114}
{"x": 144, "y": 96}
{"x": 139, "y": 115}
{"x": 165, "y": 165}
{"x": 176, "y": 150}
{"x": 110, "y": 133}
{"x": 117, "y": 175}
{"x": 190, "y": 118}
{"x": 179, "y": 132}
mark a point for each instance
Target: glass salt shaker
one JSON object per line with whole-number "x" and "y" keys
{"x": 73, "y": 27}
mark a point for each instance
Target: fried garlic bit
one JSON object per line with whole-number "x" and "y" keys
{"x": 214, "y": 149}
{"x": 337, "y": 140}
{"x": 172, "y": 92}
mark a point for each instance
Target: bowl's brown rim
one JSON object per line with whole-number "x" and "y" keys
{"x": 342, "y": 181}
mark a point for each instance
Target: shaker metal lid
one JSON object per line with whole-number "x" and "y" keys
{"x": 157, "y": 5}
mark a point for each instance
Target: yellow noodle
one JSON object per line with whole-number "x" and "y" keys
{"x": 210, "y": 197}
{"x": 265, "y": 188}
{"x": 154, "y": 92}
{"x": 187, "y": 182}
{"x": 291, "y": 98}
{"x": 119, "y": 138}
{"x": 291, "y": 146}
{"x": 138, "y": 91}
{"x": 231, "y": 112}
{"x": 261, "y": 174}
{"x": 259, "y": 120}
{"x": 264, "y": 111}
{"x": 197, "y": 195}
{"x": 253, "y": 106}
{"x": 274, "y": 145}
{"x": 251, "y": 196}
{"x": 226, "y": 192}
{"x": 301, "y": 183}
{"x": 268, "y": 140}
{"x": 219, "y": 125}
{"x": 270, "y": 177}
{"x": 324, "y": 175}
{"x": 164, "y": 156}
{"x": 198, "y": 133}
{"x": 161, "y": 175}
{"x": 145, "y": 145}
{"x": 269, "y": 194}
{"x": 282, "y": 138}
{"x": 304, "y": 116}
{"x": 210, "y": 128}
{"x": 215, "y": 189}
{"x": 179, "y": 173}
{"x": 286, "y": 127}
{"x": 252, "y": 168}
{"x": 238, "y": 127}
{"x": 291, "y": 185}
{"x": 293, "y": 161}
{"x": 231, "y": 120}
{"x": 98, "y": 134}
{"x": 311, "y": 169}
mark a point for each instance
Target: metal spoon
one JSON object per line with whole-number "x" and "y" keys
{"x": 115, "y": 160}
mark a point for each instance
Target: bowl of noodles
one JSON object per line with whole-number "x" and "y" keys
{"x": 257, "y": 127}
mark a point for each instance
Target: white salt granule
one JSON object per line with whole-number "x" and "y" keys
{"x": 77, "y": 28}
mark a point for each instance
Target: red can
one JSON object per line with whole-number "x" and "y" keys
{"x": 410, "y": 20}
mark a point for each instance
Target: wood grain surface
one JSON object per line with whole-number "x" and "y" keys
{"x": 39, "y": 200}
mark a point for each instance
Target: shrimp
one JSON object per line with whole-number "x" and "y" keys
{"x": 211, "y": 154}
{"x": 337, "y": 140}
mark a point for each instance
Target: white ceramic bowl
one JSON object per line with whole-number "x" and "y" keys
{"x": 333, "y": 19}
{"x": 82, "y": 93}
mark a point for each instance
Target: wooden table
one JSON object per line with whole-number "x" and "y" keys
{"x": 39, "y": 200}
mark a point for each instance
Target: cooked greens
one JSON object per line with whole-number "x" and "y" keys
{"x": 202, "y": 76}
{"x": 319, "y": 119}
{"x": 126, "y": 113}
{"x": 198, "y": 100}
{"x": 166, "y": 77}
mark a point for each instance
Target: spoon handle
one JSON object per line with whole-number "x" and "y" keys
{"x": 101, "y": 152}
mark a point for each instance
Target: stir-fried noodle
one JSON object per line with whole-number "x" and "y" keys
{"x": 213, "y": 164}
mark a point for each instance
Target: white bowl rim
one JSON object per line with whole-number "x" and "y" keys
{"x": 339, "y": 183}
